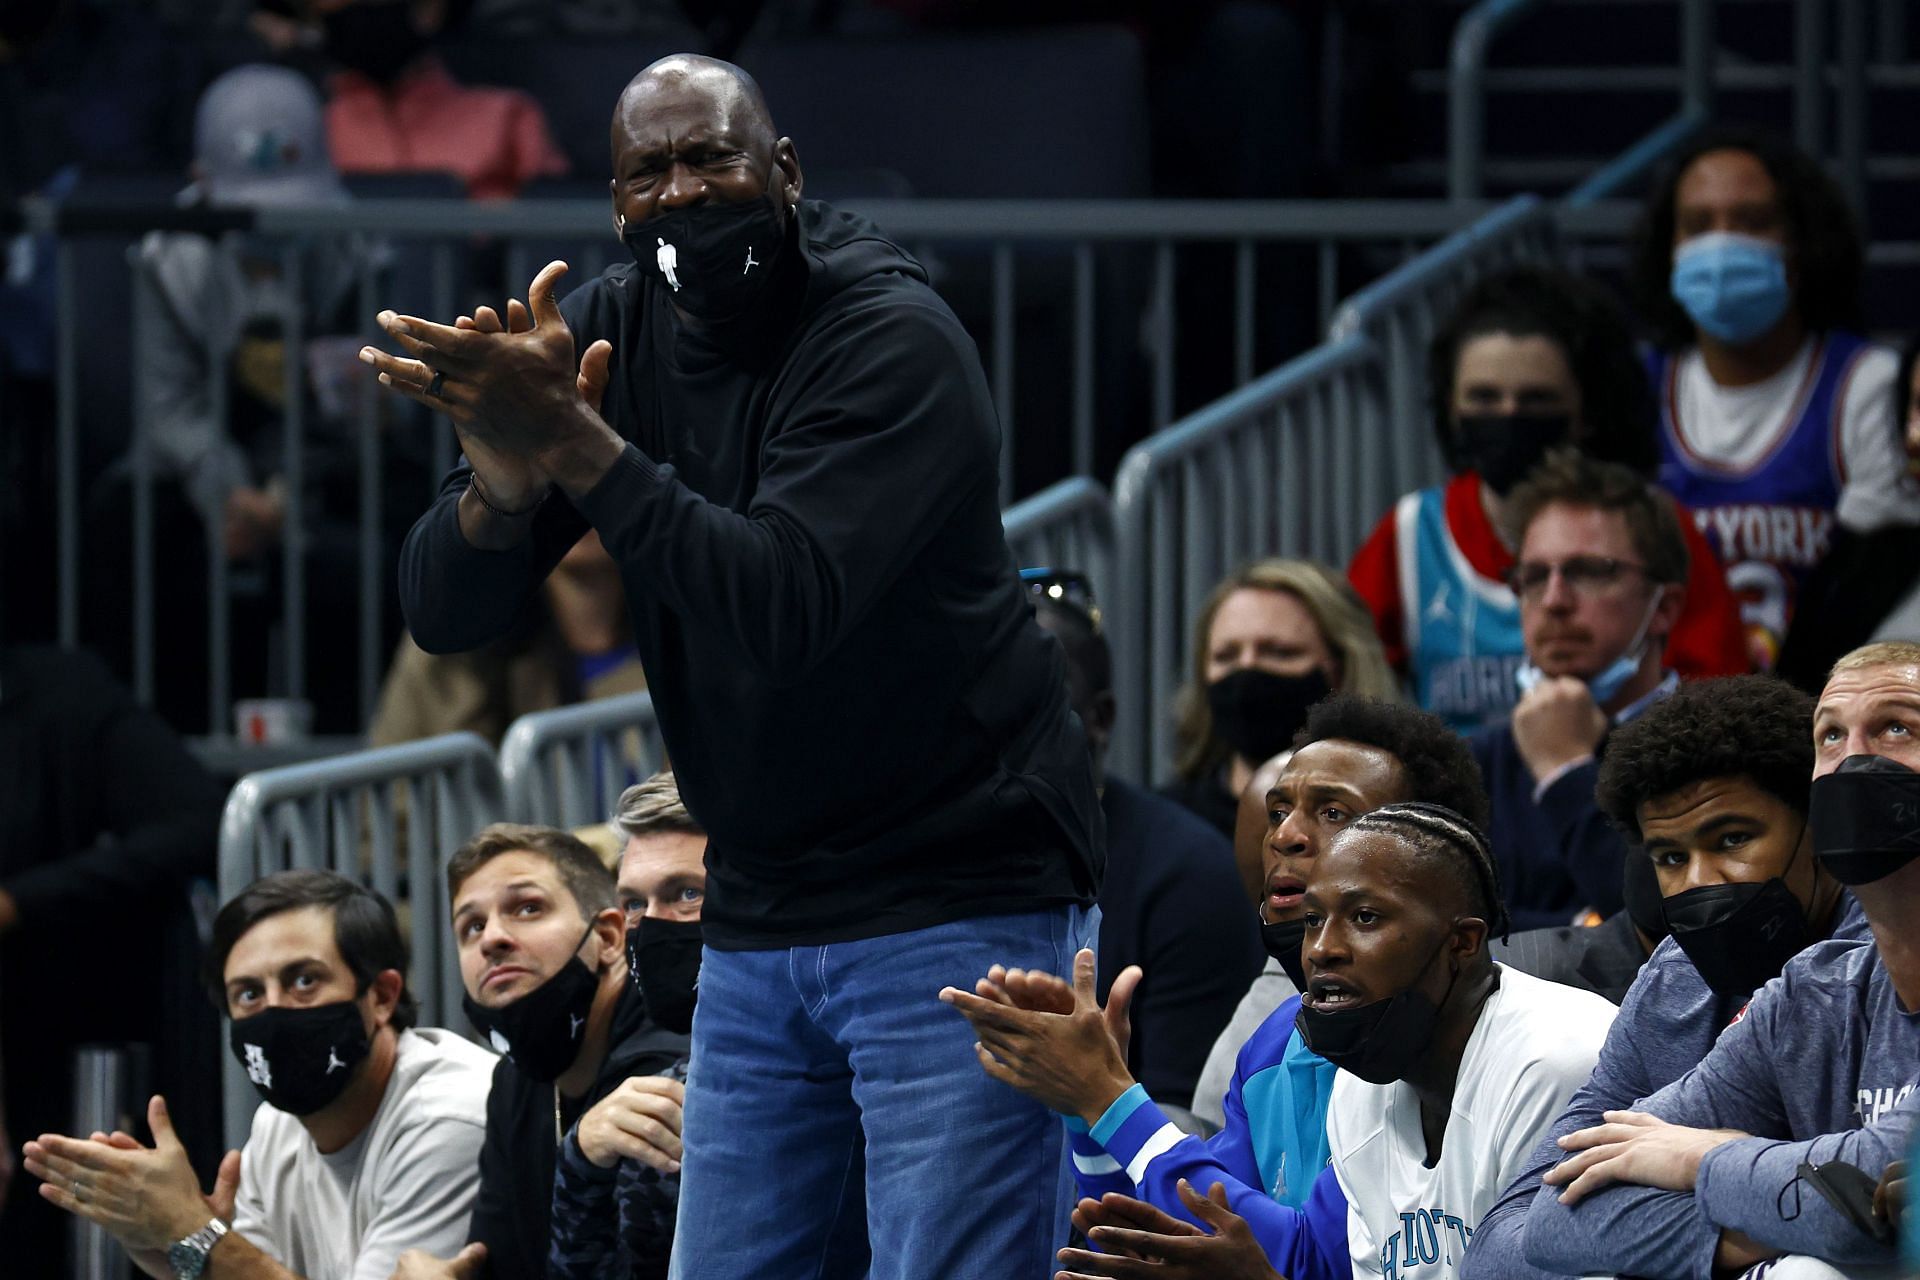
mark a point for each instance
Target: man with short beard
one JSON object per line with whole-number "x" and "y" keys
{"x": 785, "y": 441}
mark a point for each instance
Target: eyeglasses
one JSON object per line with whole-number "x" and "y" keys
{"x": 1065, "y": 586}
{"x": 1585, "y": 576}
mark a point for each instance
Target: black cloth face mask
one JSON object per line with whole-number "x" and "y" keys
{"x": 377, "y": 40}
{"x": 1379, "y": 1042}
{"x": 300, "y": 1059}
{"x": 1739, "y": 936}
{"x": 663, "y": 959}
{"x": 1866, "y": 819}
{"x": 1283, "y": 942}
{"x": 540, "y": 1032}
{"x": 1257, "y": 713}
{"x": 715, "y": 260}
{"x": 1504, "y": 447}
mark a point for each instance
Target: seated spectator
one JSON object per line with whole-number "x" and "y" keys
{"x": 543, "y": 957}
{"x": 576, "y": 645}
{"x": 1170, "y": 904}
{"x": 345, "y": 1168}
{"x": 1712, "y": 784}
{"x": 394, "y": 107}
{"x": 616, "y": 1191}
{"x": 1532, "y": 359}
{"x": 1271, "y": 641}
{"x": 1818, "y": 1071}
{"x": 1776, "y": 411}
{"x": 1601, "y": 580}
{"x": 1448, "y": 1073}
{"x": 108, "y": 822}
{"x": 1355, "y": 755}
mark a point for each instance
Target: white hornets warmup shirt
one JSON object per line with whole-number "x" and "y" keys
{"x": 1536, "y": 1042}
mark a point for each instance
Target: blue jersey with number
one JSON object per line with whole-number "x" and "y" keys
{"x": 1462, "y": 629}
{"x": 1771, "y": 521}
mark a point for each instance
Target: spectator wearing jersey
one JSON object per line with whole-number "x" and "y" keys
{"x": 1601, "y": 581}
{"x": 1812, "y": 1072}
{"x": 1712, "y": 786}
{"x": 1776, "y": 414}
{"x": 1356, "y": 755}
{"x": 1272, "y": 640}
{"x": 1533, "y": 359}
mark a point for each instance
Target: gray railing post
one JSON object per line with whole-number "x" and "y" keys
{"x": 1696, "y": 58}
{"x": 1467, "y": 93}
{"x": 1810, "y": 74}
{"x": 565, "y": 767}
{"x": 100, "y": 1084}
{"x": 1852, "y": 103}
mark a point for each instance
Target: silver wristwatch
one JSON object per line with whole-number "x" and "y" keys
{"x": 188, "y": 1257}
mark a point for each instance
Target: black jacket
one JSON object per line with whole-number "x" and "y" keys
{"x": 861, "y": 711}
{"x": 512, "y": 1214}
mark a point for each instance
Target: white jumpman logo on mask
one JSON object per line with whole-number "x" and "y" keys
{"x": 333, "y": 1061}
{"x": 668, "y": 259}
{"x": 575, "y": 1029}
{"x": 751, "y": 264}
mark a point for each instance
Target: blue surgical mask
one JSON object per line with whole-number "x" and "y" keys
{"x": 1733, "y": 286}
{"x": 1606, "y": 684}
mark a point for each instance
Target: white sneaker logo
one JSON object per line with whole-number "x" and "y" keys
{"x": 257, "y": 1069}
{"x": 751, "y": 264}
{"x": 669, "y": 259}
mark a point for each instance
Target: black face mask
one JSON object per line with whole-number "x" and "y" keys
{"x": 541, "y": 1031}
{"x": 1504, "y": 447}
{"x": 1379, "y": 1042}
{"x": 1640, "y": 886}
{"x": 663, "y": 959}
{"x": 1739, "y": 936}
{"x": 377, "y": 40}
{"x": 300, "y": 1059}
{"x": 1283, "y": 942}
{"x": 715, "y": 260}
{"x": 1257, "y": 713}
{"x": 1866, "y": 819}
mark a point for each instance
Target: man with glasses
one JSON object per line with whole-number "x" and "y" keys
{"x": 1601, "y": 579}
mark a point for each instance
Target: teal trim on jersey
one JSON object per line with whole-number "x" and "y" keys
{"x": 1287, "y": 1116}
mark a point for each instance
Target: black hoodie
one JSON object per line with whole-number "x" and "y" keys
{"x": 860, "y": 709}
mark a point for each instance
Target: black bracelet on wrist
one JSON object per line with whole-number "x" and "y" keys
{"x": 473, "y": 483}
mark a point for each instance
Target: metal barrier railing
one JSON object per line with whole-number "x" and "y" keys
{"x": 1081, "y": 243}
{"x": 101, "y": 1078}
{"x": 567, "y": 767}
{"x": 388, "y": 818}
{"x": 1066, "y": 526}
{"x": 1272, "y": 469}
{"x": 1400, "y": 313}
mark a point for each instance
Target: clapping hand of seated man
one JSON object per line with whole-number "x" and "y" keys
{"x": 1633, "y": 1147}
{"x": 1052, "y": 1042}
{"x": 1556, "y": 724}
{"x": 418, "y": 1264}
{"x": 144, "y": 1197}
{"x": 640, "y": 1120}
{"x": 1140, "y": 1242}
{"x": 525, "y": 411}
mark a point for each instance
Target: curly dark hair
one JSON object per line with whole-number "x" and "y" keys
{"x": 1754, "y": 727}
{"x": 1616, "y": 404}
{"x": 1438, "y": 767}
{"x": 1823, "y": 239}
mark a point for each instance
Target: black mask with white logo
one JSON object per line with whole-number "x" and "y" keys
{"x": 541, "y": 1031}
{"x": 300, "y": 1059}
{"x": 1866, "y": 819}
{"x": 715, "y": 260}
{"x": 1257, "y": 712}
{"x": 1640, "y": 885}
{"x": 1283, "y": 942}
{"x": 1379, "y": 1042}
{"x": 1504, "y": 447}
{"x": 663, "y": 959}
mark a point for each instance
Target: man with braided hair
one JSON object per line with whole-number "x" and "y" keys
{"x": 1271, "y": 1160}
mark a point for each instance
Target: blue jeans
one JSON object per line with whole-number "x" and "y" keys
{"x": 832, "y": 1100}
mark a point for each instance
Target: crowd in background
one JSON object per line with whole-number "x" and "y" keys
{"x": 1626, "y": 705}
